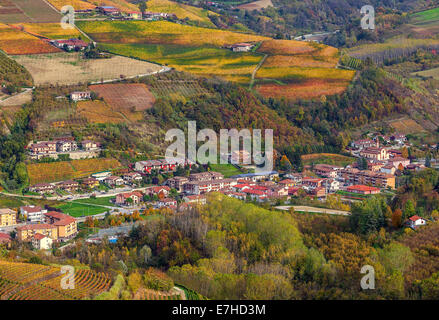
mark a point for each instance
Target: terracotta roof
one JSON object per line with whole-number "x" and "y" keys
{"x": 415, "y": 218}
{"x": 39, "y": 236}
{"x": 36, "y": 226}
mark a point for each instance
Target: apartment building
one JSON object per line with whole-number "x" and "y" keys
{"x": 201, "y": 187}
{"x": 33, "y": 213}
{"x": 25, "y": 233}
{"x": 367, "y": 177}
{"x": 66, "y": 226}
{"x": 8, "y": 217}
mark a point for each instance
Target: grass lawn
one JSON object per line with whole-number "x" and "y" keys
{"x": 103, "y": 201}
{"x": 227, "y": 170}
{"x": 79, "y": 209}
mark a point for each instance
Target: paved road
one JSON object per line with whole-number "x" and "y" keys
{"x": 315, "y": 210}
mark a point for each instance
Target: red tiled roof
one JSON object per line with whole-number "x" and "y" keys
{"x": 415, "y": 218}
{"x": 39, "y": 236}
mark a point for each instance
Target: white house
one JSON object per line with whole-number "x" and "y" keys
{"x": 416, "y": 221}
{"x": 331, "y": 185}
{"x": 41, "y": 242}
{"x": 33, "y": 213}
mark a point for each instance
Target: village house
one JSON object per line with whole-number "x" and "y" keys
{"x": 66, "y": 146}
{"x": 148, "y": 166}
{"x": 108, "y": 10}
{"x": 415, "y": 167}
{"x": 318, "y": 192}
{"x": 326, "y": 170}
{"x": 389, "y": 169}
{"x": 375, "y": 165}
{"x": 331, "y": 185}
{"x": 166, "y": 202}
{"x": 66, "y": 226}
{"x": 177, "y": 183}
{"x": 287, "y": 183}
{"x": 80, "y": 95}
{"x": 133, "y": 177}
{"x": 205, "y": 176}
{"x": 43, "y": 147}
{"x": 396, "y": 161}
{"x": 101, "y": 175}
{"x": 33, "y": 213}
{"x": 89, "y": 145}
{"x": 399, "y": 138}
{"x": 136, "y": 15}
{"x": 198, "y": 199}
{"x": 394, "y": 153}
{"x": 69, "y": 185}
{"x": 296, "y": 177}
{"x": 259, "y": 176}
{"x": 201, "y": 187}
{"x": 362, "y": 189}
{"x": 42, "y": 188}
{"x": 312, "y": 183}
{"x": 90, "y": 183}
{"x": 8, "y": 217}
{"x": 363, "y": 143}
{"x": 416, "y": 221}
{"x": 375, "y": 153}
{"x": 156, "y": 190}
{"x": 135, "y": 196}
{"x": 113, "y": 181}
{"x": 257, "y": 195}
{"x": 41, "y": 242}
{"x": 5, "y": 239}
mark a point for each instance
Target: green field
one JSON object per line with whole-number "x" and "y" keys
{"x": 426, "y": 16}
{"x": 103, "y": 201}
{"x": 227, "y": 170}
{"x": 79, "y": 209}
{"x": 204, "y": 61}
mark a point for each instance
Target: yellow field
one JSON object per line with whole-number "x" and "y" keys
{"x": 49, "y": 30}
{"x": 286, "y": 47}
{"x": 162, "y": 32}
{"x": 77, "y": 4}
{"x": 64, "y": 170}
{"x": 182, "y": 11}
{"x": 406, "y": 126}
{"x": 305, "y": 73}
{"x": 122, "y": 5}
{"x": 98, "y": 112}
{"x": 301, "y": 60}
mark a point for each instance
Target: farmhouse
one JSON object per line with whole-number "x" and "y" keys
{"x": 80, "y": 95}
{"x": 42, "y": 188}
{"x": 134, "y": 15}
{"x": 66, "y": 146}
{"x": 89, "y": 145}
{"x": 362, "y": 189}
{"x": 33, "y": 213}
{"x": 241, "y": 47}
{"x": 416, "y": 221}
{"x": 8, "y": 217}
{"x": 71, "y": 44}
{"x": 135, "y": 196}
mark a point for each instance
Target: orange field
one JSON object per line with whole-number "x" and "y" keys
{"x": 16, "y": 42}
{"x": 98, "y": 112}
{"x": 286, "y": 47}
{"x": 77, "y": 4}
{"x": 407, "y": 126}
{"x": 304, "y": 90}
{"x": 130, "y": 99}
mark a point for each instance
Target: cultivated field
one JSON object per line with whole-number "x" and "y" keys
{"x": 182, "y": 11}
{"x": 406, "y": 126}
{"x": 434, "y": 73}
{"x": 125, "y": 96}
{"x": 65, "y": 170}
{"x": 48, "y": 30}
{"x": 98, "y": 112}
{"x": 16, "y": 11}
{"x": 76, "y": 4}
{"x": 26, "y": 281}
{"x": 257, "y": 5}
{"x": 205, "y": 61}
{"x": 177, "y": 88}
{"x": 15, "y": 42}
{"x": 70, "y": 68}
{"x": 296, "y": 69}
{"x": 162, "y": 32}
{"x": 327, "y": 158}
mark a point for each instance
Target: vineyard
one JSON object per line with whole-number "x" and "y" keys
{"x": 76, "y": 4}
{"x": 350, "y": 62}
{"x": 65, "y": 170}
{"x": 174, "y": 88}
{"x": 14, "y": 41}
{"x": 98, "y": 111}
{"x": 12, "y": 73}
{"x": 25, "y": 281}
{"x": 48, "y": 30}
{"x": 16, "y": 11}
{"x": 162, "y": 32}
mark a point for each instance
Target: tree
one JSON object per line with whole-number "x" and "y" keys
{"x": 409, "y": 210}
{"x": 142, "y": 7}
{"x": 397, "y": 218}
{"x": 428, "y": 160}
{"x": 404, "y": 152}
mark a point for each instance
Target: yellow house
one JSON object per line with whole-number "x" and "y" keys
{"x": 25, "y": 233}
{"x": 8, "y": 217}
{"x": 65, "y": 224}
